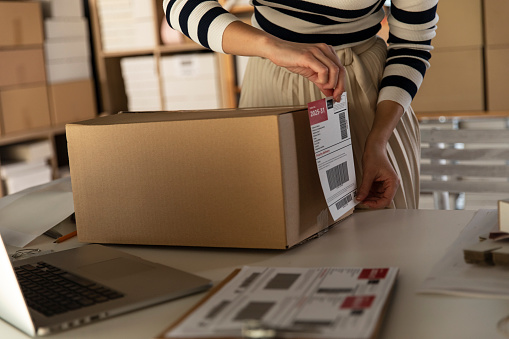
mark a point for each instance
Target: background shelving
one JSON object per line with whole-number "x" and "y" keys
{"x": 112, "y": 87}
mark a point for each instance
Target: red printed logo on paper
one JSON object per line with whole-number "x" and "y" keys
{"x": 317, "y": 111}
{"x": 373, "y": 273}
{"x": 358, "y": 302}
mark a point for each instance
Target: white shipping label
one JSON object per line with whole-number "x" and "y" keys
{"x": 332, "y": 142}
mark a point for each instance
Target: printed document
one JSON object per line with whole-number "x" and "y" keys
{"x": 319, "y": 302}
{"x": 453, "y": 276}
{"x": 333, "y": 152}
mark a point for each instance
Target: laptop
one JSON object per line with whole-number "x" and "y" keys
{"x": 83, "y": 285}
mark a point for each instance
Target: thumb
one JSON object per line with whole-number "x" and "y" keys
{"x": 364, "y": 188}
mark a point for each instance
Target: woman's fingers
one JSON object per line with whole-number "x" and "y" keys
{"x": 319, "y": 63}
{"x": 335, "y": 74}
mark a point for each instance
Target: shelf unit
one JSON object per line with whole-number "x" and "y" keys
{"x": 112, "y": 96}
{"x": 54, "y": 131}
{"x": 50, "y": 133}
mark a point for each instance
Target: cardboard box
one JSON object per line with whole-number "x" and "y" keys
{"x": 496, "y": 24}
{"x": 68, "y": 70}
{"x": 460, "y": 24}
{"x": 497, "y": 73}
{"x": 242, "y": 178}
{"x": 454, "y": 82}
{"x": 64, "y": 49}
{"x": 21, "y": 67}
{"x": 72, "y": 101}
{"x": 20, "y": 24}
{"x": 63, "y": 8}
{"x": 24, "y": 109}
{"x": 66, "y": 28}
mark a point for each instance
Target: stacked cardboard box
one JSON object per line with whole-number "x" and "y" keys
{"x": 190, "y": 81}
{"x": 141, "y": 82}
{"x": 455, "y": 81}
{"x": 127, "y": 24}
{"x": 23, "y": 92}
{"x": 25, "y": 165}
{"x": 68, "y": 61}
{"x": 496, "y": 27}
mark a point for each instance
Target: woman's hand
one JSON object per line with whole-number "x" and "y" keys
{"x": 379, "y": 181}
{"x": 318, "y": 63}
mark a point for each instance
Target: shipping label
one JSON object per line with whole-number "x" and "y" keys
{"x": 332, "y": 142}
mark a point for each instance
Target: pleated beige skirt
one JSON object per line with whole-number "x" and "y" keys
{"x": 266, "y": 84}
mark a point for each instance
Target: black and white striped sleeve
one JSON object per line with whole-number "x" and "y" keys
{"x": 412, "y": 25}
{"x": 203, "y": 21}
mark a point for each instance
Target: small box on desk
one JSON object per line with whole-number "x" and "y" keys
{"x": 243, "y": 178}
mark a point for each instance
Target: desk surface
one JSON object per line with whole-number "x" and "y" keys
{"x": 413, "y": 240}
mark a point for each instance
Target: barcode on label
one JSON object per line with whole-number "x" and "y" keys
{"x": 343, "y": 202}
{"x": 343, "y": 126}
{"x": 337, "y": 175}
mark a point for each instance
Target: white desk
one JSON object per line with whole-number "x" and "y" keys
{"x": 411, "y": 240}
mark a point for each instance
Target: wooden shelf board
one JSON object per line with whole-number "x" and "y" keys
{"x": 126, "y": 53}
{"x": 186, "y": 47}
{"x": 30, "y": 135}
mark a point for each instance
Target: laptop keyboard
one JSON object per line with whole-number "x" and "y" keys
{"x": 50, "y": 290}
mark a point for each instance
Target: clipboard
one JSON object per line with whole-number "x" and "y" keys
{"x": 230, "y": 277}
{"x": 209, "y": 295}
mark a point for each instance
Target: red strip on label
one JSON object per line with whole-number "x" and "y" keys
{"x": 317, "y": 111}
{"x": 358, "y": 302}
{"x": 373, "y": 273}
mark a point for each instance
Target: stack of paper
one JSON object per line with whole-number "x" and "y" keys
{"x": 141, "y": 83}
{"x": 187, "y": 74}
{"x": 66, "y": 45}
{"x": 126, "y": 24}
{"x": 26, "y": 165}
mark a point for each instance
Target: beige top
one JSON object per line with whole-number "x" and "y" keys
{"x": 266, "y": 84}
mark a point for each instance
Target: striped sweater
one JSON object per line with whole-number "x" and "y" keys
{"x": 340, "y": 23}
